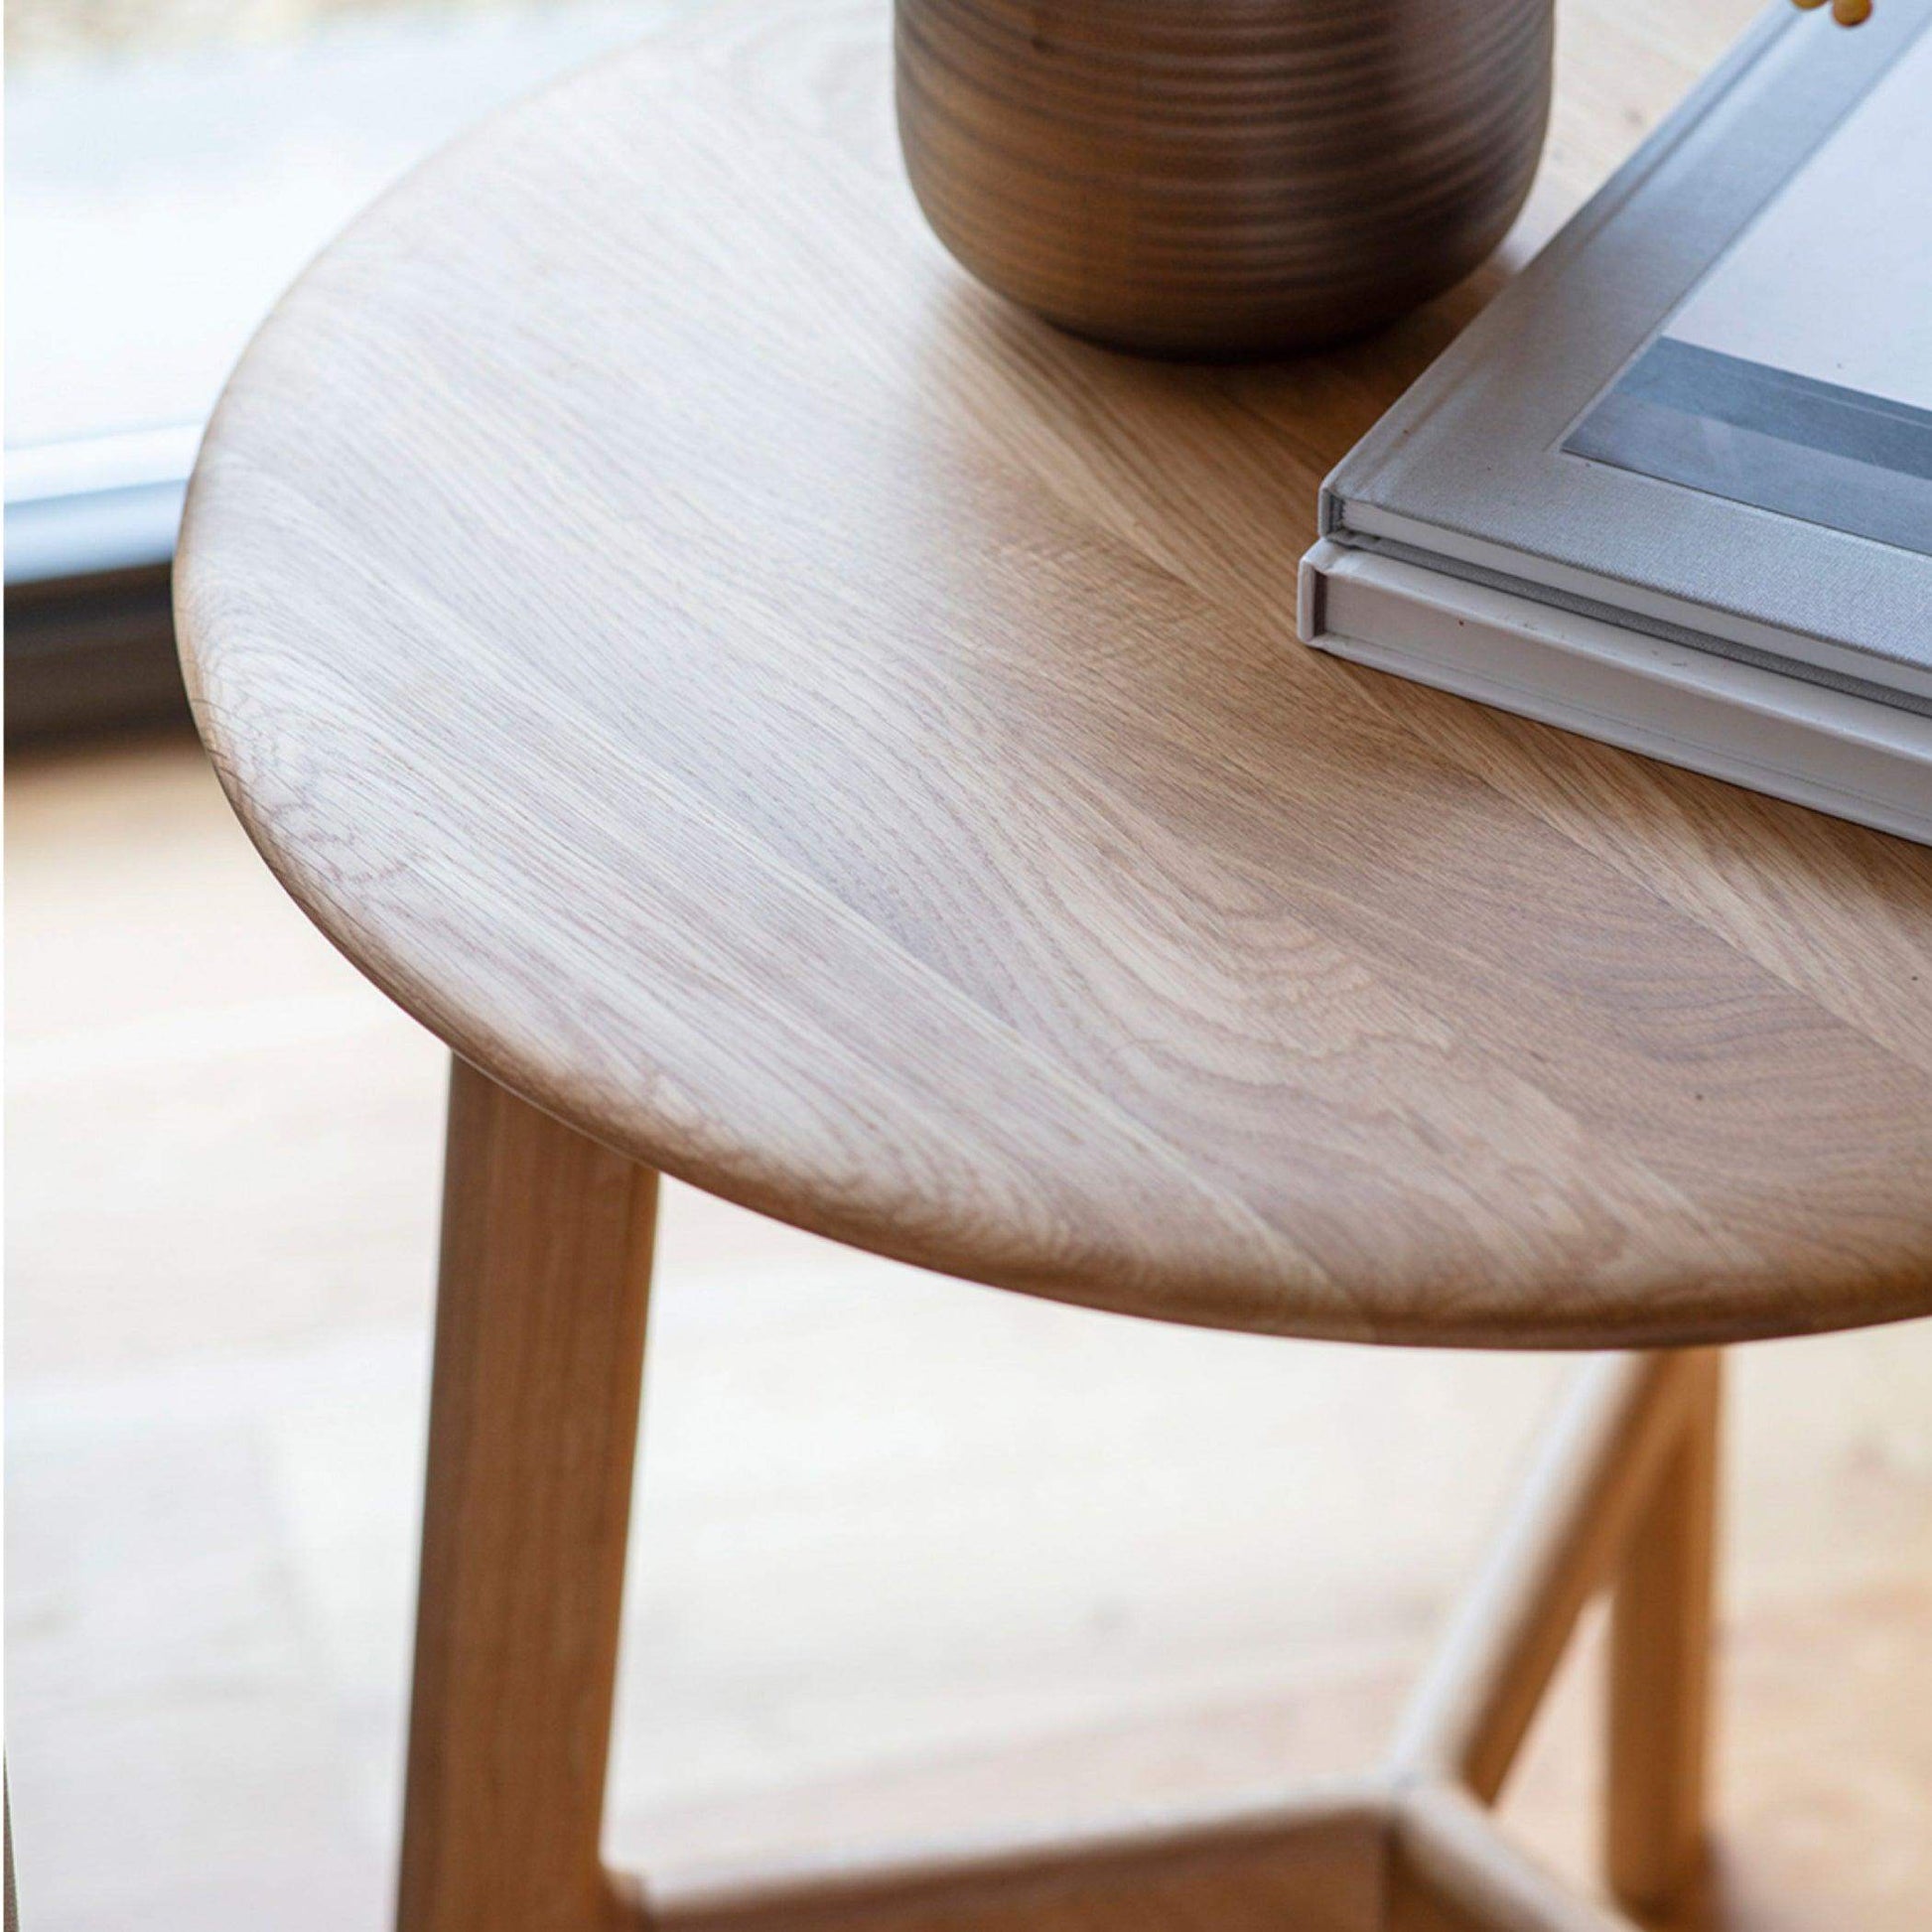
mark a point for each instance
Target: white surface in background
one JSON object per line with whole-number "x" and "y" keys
{"x": 1834, "y": 280}
{"x": 157, "y": 206}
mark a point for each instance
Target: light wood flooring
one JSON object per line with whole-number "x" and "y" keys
{"x": 912, "y": 1557}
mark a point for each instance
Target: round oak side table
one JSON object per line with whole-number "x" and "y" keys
{"x": 789, "y": 721}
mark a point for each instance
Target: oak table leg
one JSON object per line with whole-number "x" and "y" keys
{"x": 1660, "y": 1667}
{"x": 541, "y": 1309}
{"x": 544, "y": 1280}
{"x": 1623, "y": 1497}
{"x": 1570, "y": 1531}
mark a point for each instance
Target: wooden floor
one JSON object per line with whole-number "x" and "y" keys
{"x": 913, "y": 1558}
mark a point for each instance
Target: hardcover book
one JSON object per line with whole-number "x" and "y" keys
{"x": 1674, "y": 487}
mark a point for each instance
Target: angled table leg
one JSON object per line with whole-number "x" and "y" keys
{"x": 539, "y": 1359}
{"x": 1623, "y": 1496}
{"x": 544, "y": 1279}
{"x": 1660, "y": 1667}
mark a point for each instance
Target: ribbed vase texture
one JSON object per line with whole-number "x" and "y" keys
{"x": 1221, "y": 177}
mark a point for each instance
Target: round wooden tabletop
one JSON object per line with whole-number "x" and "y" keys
{"x": 843, "y": 743}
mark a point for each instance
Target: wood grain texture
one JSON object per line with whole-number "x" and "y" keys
{"x": 831, "y": 737}
{"x": 1217, "y": 177}
{"x": 533, "y": 1423}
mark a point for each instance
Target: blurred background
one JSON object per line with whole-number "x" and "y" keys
{"x": 912, "y": 1557}
{"x": 171, "y": 164}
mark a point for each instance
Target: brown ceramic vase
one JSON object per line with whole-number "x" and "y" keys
{"x": 1221, "y": 177}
